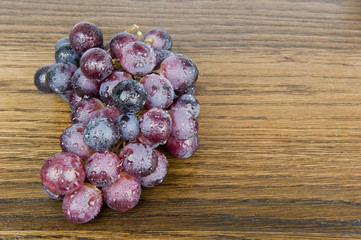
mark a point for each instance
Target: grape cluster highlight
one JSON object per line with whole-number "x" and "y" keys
{"x": 127, "y": 98}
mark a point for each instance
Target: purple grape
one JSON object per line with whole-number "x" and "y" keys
{"x": 61, "y": 41}
{"x": 161, "y": 55}
{"x": 51, "y": 194}
{"x": 187, "y": 102}
{"x": 71, "y": 140}
{"x": 66, "y": 54}
{"x": 58, "y": 77}
{"x": 40, "y": 78}
{"x": 190, "y": 90}
{"x": 180, "y": 71}
{"x": 82, "y": 205}
{"x": 129, "y": 126}
{"x": 138, "y": 58}
{"x": 73, "y": 98}
{"x": 183, "y": 148}
{"x": 158, "y": 38}
{"x": 96, "y": 63}
{"x": 84, "y": 86}
{"x": 101, "y": 134}
{"x": 120, "y": 40}
{"x": 85, "y": 35}
{"x": 62, "y": 173}
{"x": 159, "y": 91}
{"x": 85, "y": 110}
{"x": 156, "y": 178}
{"x": 106, "y": 87}
{"x": 129, "y": 96}
{"x": 123, "y": 194}
{"x": 103, "y": 169}
{"x": 184, "y": 124}
{"x": 156, "y": 125}
{"x": 142, "y": 139}
{"x": 138, "y": 159}
{"x": 109, "y": 112}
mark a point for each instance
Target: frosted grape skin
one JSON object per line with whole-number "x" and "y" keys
{"x": 103, "y": 169}
{"x": 101, "y": 134}
{"x": 138, "y": 58}
{"x": 62, "y": 173}
{"x": 58, "y": 77}
{"x": 71, "y": 140}
{"x": 159, "y": 90}
{"x": 184, "y": 124}
{"x": 84, "y": 86}
{"x": 119, "y": 41}
{"x": 129, "y": 96}
{"x": 85, "y": 110}
{"x": 181, "y": 72}
{"x": 157, "y": 177}
{"x": 187, "y": 102}
{"x": 66, "y": 54}
{"x": 96, "y": 63}
{"x": 183, "y": 148}
{"x": 82, "y": 205}
{"x": 138, "y": 159}
{"x": 85, "y": 35}
{"x": 156, "y": 125}
{"x": 107, "y": 85}
{"x": 40, "y": 78}
{"x": 123, "y": 194}
{"x": 158, "y": 38}
{"x": 128, "y": 126}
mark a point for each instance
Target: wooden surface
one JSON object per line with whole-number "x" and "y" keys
{"x": 280, "y": 121}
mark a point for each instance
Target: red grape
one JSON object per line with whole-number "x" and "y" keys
{"x": 158, "y": 176}
{"x": 96, "y": 63}
{"x": 158, "y": 38}
{"x": 118, "y": 41}
{"x": 139, "y": 159}
{"x": 123, "y": 194}
{"x": 85, "y": 35}
{"x": 180, "y": 71}
{"x": 82, "y": 205}
{"x": 62, "y": 173}
{"x": 138, "y": 58}
{"x": 159, "y": 90}
{"x": 103, "y": 169}
{"x": 183, "y": 148}
{"x": 156, "y": 125}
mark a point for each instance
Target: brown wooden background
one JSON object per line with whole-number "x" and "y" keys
{"x": 280, "y": 121}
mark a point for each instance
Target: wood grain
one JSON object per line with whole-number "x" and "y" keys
{"x": 280, "y": 125}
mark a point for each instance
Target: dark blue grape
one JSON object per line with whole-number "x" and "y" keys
{"x": 61, "y": 41}
{"x": 129, "y": 126}
{"x": 129, "y": 96}
{"x": 66, "y": 54}
{"x": 40, "y": 78}
{"x": 59, "y": 77}
{"x": 101, "y": 134}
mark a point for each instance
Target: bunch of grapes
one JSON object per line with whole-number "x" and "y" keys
{"x": 126, "y": 98}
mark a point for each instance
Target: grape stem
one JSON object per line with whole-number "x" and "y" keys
{"x": 132, "y": 28}
{"x": 139, "y": 35}
{"x": 149, "y": 40}
{"x": 116, "y": 64}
